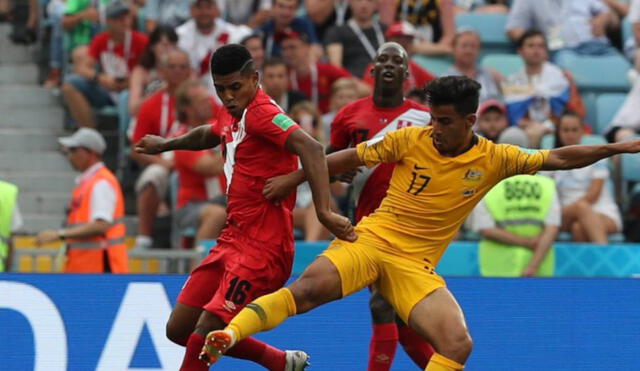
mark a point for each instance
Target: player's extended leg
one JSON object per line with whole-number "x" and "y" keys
{"x": 250, "y": 349}
{"x": 439, "y": 319}
{"x": 319, "y": 284}
{"x": 384, "y": 340}
{"x": 387, "y": 330}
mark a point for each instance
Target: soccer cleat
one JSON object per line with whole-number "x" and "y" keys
{"x": 296, "y": 360}
{"x": 216, "y": 343}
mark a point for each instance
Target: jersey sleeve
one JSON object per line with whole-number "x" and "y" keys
{"x": 515, "y": 160}
{"x": 390, "y": 148}
{"x": 271, "y": 124}
{"x": 340, "y": 137}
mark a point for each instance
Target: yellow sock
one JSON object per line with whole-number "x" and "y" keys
{"x": 262, "y": 314}
{"x": 438, "y": 362}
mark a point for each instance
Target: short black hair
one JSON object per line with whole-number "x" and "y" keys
{"x": 231, "y": 58}
{"x": 529, "y": 34}
{"x": 460, "y": 91}
{"x": 271, "y": 62}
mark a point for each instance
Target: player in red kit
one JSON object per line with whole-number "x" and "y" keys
{"x": 362, "y": 120}
{"x": 254, "y": 252}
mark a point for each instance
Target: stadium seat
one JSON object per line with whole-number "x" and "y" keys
{"x": 630, "y": 164}
{"x": 506, "y": 64}
{"x": 490, "y": 27}
{"x": 606, "y": 107}
{"x": 597, "y": 74}
{"x": 589, "y": 101}
{"x": 627, "y": 30}
{"x": 435, "y": 65}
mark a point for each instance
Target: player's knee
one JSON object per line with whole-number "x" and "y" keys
{"x": 458, "y": 346}
{"x": 177, "y": 334}
{"x": 306, "y": 294}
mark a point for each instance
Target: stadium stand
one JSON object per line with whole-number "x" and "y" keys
{"x": 506, "y": 64}
{"x": 31, "y": 119}
{"x": 588, "y": 71}
{"x": 606, "y": 106}
{"x": 436, "y": 65}
{"x": 491, "y": 29}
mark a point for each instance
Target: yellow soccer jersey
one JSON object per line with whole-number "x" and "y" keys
{"x": 431, "y": 195}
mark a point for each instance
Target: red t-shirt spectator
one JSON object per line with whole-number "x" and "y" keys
{"x": 317, "y": 85}
{"x": 418, "y": 77}
{"x": 157, "y": 116}
{"x": 192, "y": 186}
{"x": 129, "y": 50}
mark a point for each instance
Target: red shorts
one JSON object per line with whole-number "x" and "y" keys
{"x": 236, "y": 271}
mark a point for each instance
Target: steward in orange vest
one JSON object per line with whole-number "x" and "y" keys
{"x": 94, "y": 231}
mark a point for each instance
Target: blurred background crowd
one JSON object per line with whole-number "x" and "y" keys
{"x": 553, "y": 73}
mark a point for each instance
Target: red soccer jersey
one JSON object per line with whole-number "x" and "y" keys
{"x": 363, "y": 120}
{"x": 129, "y": 50}
{"x": 418, "y": 77}
{"x": 254, "y": 152}
{"x": 317, "y": 85}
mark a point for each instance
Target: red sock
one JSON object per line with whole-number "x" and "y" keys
{"x": 416, "y": 347}
{"x": 382, "y": 348}
{"x": 259, "y": 352}
{"x": 191, "y": 362}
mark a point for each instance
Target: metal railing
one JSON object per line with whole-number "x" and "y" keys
{"x": 140, "y": 261}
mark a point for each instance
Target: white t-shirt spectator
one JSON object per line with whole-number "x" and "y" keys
{"x": 573, "y": 184}
{"x": 566, "y": 23}
{"x": 200, "y": 46}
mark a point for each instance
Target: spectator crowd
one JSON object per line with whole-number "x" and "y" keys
{"x": 149, "y": 61}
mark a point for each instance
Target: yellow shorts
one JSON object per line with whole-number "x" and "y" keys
{"x": 402, "y": 279}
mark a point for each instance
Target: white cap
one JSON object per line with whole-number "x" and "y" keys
{"x": 86, "y": 138}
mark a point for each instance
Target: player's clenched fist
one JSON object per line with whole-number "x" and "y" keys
{"x": 150, "y": 144}
{"x": 339, "y": 225}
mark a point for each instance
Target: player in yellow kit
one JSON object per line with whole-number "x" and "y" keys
{"x": 442, "y": 172}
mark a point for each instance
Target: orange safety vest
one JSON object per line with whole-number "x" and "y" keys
{"x": 86, "y": 255}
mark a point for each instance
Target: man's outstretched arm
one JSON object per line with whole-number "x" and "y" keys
{"x": 572, "y": 157}
{"x": 196, "y": 139}
{"x": 314, "y": 169}
{"x": 337, "y": 163}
